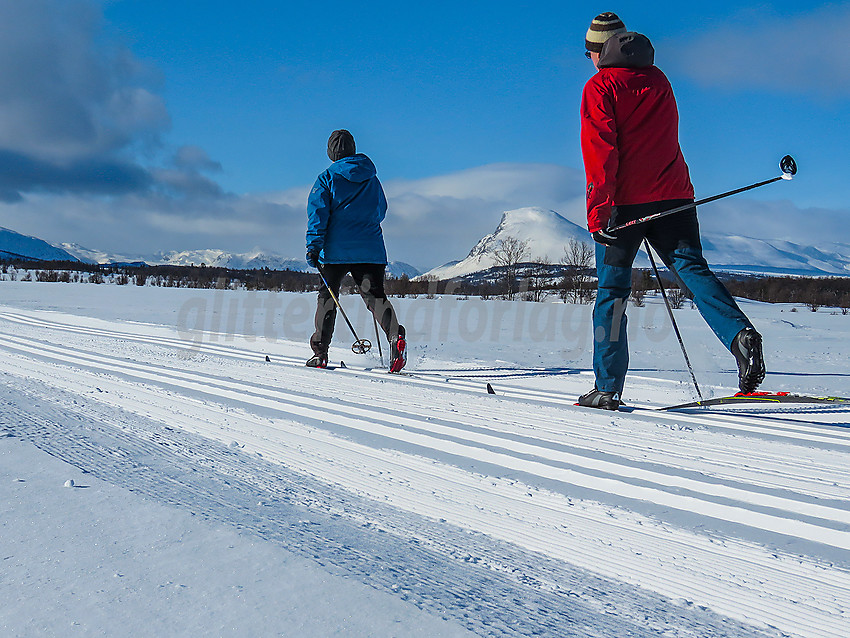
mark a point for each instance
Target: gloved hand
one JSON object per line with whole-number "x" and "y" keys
{"x": 603, "y": 237}
{"x": 313, "y": 257}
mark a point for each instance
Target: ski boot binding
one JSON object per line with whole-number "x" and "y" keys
{"x": 318, "y": 361}
{"x": 748, "y": 353}
{"x": 599, "y": 399}
{"x": 398, "y": 351}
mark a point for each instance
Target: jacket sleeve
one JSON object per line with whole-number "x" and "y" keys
{"x": 318, "y": 213}
{"x": 600, "y": 153}
{"x": 382, "y": 203}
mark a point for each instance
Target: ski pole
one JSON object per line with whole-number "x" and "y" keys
{"x": 360, "y": 346}
{"x": 378, "y": 339}
{"x": 787, "y": 164}
{"x": 672, "y": 318}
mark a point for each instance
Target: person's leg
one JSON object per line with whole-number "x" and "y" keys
{"x": 676, "y": 240}
{"x": 326, "y": 308}
{"x": 614, "y": 273}
{"x": 370, "y": 282}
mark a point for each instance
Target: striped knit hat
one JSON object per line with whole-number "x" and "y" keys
{"x": 603, "y": 27}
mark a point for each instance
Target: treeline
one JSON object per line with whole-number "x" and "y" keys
{"x": 527, "y": 281}
{"x": 165, "y": 276}
{"x": 813, "y": 292}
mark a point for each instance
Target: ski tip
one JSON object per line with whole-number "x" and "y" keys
{"x": 267, "y": 359}
{"x": 490, "y": 389}
{"x": 342, "y": 364}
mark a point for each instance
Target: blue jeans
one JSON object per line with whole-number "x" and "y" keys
{"x": 676, "y": 240}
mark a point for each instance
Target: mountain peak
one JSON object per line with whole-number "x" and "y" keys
{"x": 546, "y": 234}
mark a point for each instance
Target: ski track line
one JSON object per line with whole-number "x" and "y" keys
{"x": 797, "y": 579}
{"x": 400, "y": 418}
{"x": 509, "y": 593}
{"x": 781, "y": 427}
{"x": 543, "y": 462}
{"x": 808, "y": 436}
{"x": 766, "y": 483}
{"x": 288, "y": 397}
{"x": 675, "y": 586}
{"x": 294, "y": 434}
{"x": 635, "y": 443}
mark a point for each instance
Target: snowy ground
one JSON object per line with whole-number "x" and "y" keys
{"x": 216, "y": 493}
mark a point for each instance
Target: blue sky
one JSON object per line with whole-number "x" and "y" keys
{"x": 212, "y": 122}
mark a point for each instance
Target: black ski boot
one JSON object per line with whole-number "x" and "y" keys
{"x": 398, "y": 351}
{"x": 746, "y": 346}
{"x": 319, "y": 360}
{"x": 599, "y": 399}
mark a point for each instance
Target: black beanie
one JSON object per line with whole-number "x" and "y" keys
{"x": 340, "y": 144}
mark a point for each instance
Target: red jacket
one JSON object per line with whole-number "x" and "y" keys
{"x": 630, "y": 137}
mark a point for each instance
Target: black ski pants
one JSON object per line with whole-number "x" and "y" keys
{"x": 369, "y": 279}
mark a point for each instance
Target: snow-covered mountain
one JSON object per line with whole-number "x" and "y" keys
{"x": 734, "y": 253}
{"x": 255, "y": 259}
{"x": 547, "y": 233}
{"x": 13, "y": 244}
{"x": 90, "y": 256}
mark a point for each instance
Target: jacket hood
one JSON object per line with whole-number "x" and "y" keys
{"x": 356, "y": 168}
{"x": 627, "y": 50}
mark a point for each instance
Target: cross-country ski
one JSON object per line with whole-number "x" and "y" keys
{"x": 764, "y": 398}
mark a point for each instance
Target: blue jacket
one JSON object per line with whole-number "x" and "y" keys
{"x": 344, "y": 213}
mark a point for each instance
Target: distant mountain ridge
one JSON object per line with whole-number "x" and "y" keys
{"x": 14, "y": 244}
{"x": 252, "y": 260}
{"x": 547, "y": 233}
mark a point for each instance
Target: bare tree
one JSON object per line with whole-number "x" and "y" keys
{"x": 508, "y": 255}
{"x": 576, "y": 284}
{"x": 676, "y": 297}
{"x": 641, "y": 284}
{"x": 538, "y": 280}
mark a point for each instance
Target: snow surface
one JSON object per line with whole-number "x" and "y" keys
{"x": 216, "y": 493}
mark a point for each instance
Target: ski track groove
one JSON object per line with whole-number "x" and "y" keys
{"x": 494, "y": 445}
{"x": 675, "y": 584}
{"x": 494, "y": 590}
{"x": 807, "y": 431}
{"x": 424, "y": 466}
{"x": 538, "y": 425}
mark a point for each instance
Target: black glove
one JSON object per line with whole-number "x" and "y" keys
{"x": 313, "y": 257}
{"x": 603, "y": 237}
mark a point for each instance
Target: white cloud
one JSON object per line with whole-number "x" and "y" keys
{"x": 65, "y": 91}
{"x": 76, "y": 108}
{"x": 803, "y": 54}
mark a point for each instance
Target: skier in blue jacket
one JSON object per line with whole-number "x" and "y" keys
{"x": 344, "y": 214}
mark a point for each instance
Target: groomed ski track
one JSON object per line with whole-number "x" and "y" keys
{"x": 515, "y": 514}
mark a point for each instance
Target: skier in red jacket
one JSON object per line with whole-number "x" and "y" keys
{"x": 634, "y": 168}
